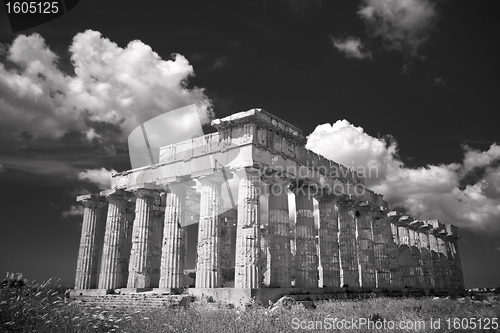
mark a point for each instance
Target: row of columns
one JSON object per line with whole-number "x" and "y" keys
{"x": 357, "y": 244}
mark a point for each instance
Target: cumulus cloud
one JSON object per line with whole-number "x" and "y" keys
{"x": 351, "y": 46}
{"x": 351, "y": 146}
{"x": 73, "y": 211}
{"x": 465, "y": 194}
{"x": 403, "y": 25}
{"x": 100, "y": 177}
{"x": 118, "y": 87}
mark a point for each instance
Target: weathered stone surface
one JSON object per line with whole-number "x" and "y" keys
{"x": 306, "y": 258}
{"x": 358, "y": 242}
{"x": 208, "y": 273}
{"x": 174, "y": 238}
{"x": 247, "y": 265}
{"x": 86, "y": 269}
{"x": 110, "y": 276}
{"x": 140, "y": 254}
{"x": 328, "y": 241}
{"x": 279, "y": 256}
{"x": 366, "y": 255}
{"x": 347, "y": 244}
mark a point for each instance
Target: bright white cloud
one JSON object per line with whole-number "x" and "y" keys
{"x": 351, "y": 46}
{"x": 122, "y": 87}
{"x": 464, "y": 194}
{"x": 351, "y": 146}
{"x": 403, "y": 24}
{"x": 73, "y": 211}
{"x": 100, "y": 177}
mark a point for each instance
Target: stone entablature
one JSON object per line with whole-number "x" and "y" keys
{"x": 357, "y": 241}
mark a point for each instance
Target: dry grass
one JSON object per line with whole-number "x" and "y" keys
{"x": 38, "y": 308}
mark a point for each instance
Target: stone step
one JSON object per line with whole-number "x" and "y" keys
{"x": 143, "y": 301}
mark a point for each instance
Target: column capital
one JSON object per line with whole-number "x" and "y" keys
{"x": 91, "y": 200}
{"x": 348, "y": 200}
{"x": 115, "y": 194}
{"x": 298, "y": 185}
{"x": 144, "y": 192}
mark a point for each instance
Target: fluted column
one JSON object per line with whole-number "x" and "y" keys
{"x": 174, "y": 238}
{"x": 436, "y": 260}
{"x": 381, "y": 247}
{"x": 226, "y": 252}
{"x": 247, "y": 265}
{"x": 445, "y": 264}
{"x": 126, "y": 245}
{"x": 451, "y": 260}
{"x": 416, "y": 258}
{"x": 279, "y": 258}
{"x": 395, "y": 258}
{"x": 140, "y": 254}
{"x": 86, "y": 269}
{"x": 347, "y": 243}
{"x": 425, "y": 254}
{"x": 366, "y": 258}
{"x": 208, "y": 274}
{"x": 110, "y": 275}
{"x": 306, "y": 258}
{"x": 406, "y": 259}
{"x": 328, "y": 240}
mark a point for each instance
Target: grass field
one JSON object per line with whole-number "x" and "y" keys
{"x": 41, "y": 308}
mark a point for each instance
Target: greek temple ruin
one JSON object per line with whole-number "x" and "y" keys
{"x": 299, "y": 221}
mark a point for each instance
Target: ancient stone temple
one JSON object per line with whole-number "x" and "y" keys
{"x": 272, "y": 217}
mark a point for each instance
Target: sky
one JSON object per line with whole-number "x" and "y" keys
{"x": 406, "y": 87}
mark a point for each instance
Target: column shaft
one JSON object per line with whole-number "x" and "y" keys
{"x": 279, "y": 258}
{"x": 428, "y": 268}
{"x": 86, "y": 270}
{"x": 247, "y": 265}
{"x": 306, "y": 259}
{"x": 436, "y": 261}
{"x": 208, "y": 274}
{"x": 328, "y": 241}
{"x": 348, "y": 245}
{"x": 366, "y": 258}
{"x": 126, "y": 245}
{"x": 174, "y": 238}
{"x": 381, "y": 247}
{"x": 140, "y": 254}
{"x": 110, "y": 275}
{"x": 395, "y": 258}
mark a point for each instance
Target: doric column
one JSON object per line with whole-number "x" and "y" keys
{"x": 226, "y": 252}
{"x": 425, "y": 254}
{"x": 126, "y": 245}
{"x": 110, "y": 276}
{"x": 86, "y": 269}
{"x": 328, "y": 240}
{"x": 247, "y": 262}
{"x": 436, "y": 260}
{"x": 174, "y": 238}
{"x": 453, "y": 238}
{"x": 445, "y": 264}
{"x": 279, "y": 257}
{"x": 406, "y": 259}
{"x": 366, "y": 258}
{"x": 347, "y": 243}
{"x": 208, "y": 273}
{"x": 395, "y": 258}
{"x": 450, "y": 255}
{"x": 381, "y": 247}
{"x": 416, "y": 257}
{"x": 140, "y": 254}
{"x": 306, "y": 258}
